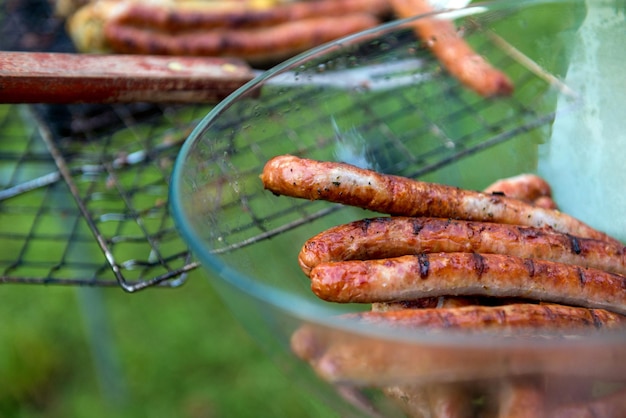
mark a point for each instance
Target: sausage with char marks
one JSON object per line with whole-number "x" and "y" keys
{"x": 396, "y": 236}
{"x": 255, "y": 45}
{"x": 202, "y": 16}
{"x": 460, "y": 274}
{"x": 526, "y": 187}
{"x": 454, "y": 53}
{"x": 401, "y": 196}
{"x": 366, "y": 359}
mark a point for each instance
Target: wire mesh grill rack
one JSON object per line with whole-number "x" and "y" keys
{"x": 84, "y": 188}
{"x": 91, "y": 208}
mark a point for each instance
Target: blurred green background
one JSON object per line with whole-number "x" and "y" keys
{"x": 175, "y": 353}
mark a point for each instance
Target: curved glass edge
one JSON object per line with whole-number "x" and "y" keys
{"x": 303, "y": 309}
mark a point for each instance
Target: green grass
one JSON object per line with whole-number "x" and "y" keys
{"x": 172, "y": 353}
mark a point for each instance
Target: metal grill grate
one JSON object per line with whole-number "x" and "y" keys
{"x": 91, "y": 208}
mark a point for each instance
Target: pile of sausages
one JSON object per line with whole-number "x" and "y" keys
{"x": 503, "y": 260}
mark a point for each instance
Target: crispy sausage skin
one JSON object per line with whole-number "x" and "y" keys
{"x": 198, "y": 16}
{"x": 522, "y": 397}
{"x": 435, "y": 400}
{"x": 412, "y": 399}
{"x": 343, "y": 183}
{"x": 450, "y": 400}
{"x": 527, "y": 187}
{"x": 454, "y": 53}
{"x": 396, "y": 236}
{"x": 342, "y": 357}
{"x": 538, "y": 317}
{"x": 459, "y": 274}
{"x": 609, "y": 406}
{"x": 254, "y": 45}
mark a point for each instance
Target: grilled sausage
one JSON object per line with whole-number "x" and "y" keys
{"x": 450, "y": 400}
{"x": 527, "y": 187}
{"x": 609, "y": 406}
{"x": 197, "y": 16}
{"x": 343, "y": 357}
{"x": 512, "y": 317}
{"x": 545, "y": 202}
{"x": 406, "y": 304}
{"x": 522, "y": 397}
{"x": 459, "y": 274}
{"x": 454, "y": 53}
{"x": 438, "y": 400}
{"x": 395, "y": 195}
{"x": 412, "y": 399}
{"x": 254, "y": 45}
{"x": 396, "y": 236}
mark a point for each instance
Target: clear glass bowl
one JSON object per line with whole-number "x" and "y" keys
{"x": 380, "y": 98}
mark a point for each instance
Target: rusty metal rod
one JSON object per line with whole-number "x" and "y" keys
{"x": 64, "y": 78}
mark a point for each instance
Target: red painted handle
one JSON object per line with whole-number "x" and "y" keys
{"x": 34, "y": 77}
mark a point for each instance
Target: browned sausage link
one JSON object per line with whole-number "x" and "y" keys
{"x": 610, "y": 406}
{"x": 355, "y": 358}
{"x": 434, "y": 400}
{"x": 563, "y": 389}
{"x": 396, "y": 236}
{"x": 395, "y": 195}
{"x": 526, "y": 187}
{"x": 545, "y": 202}
{"x": 450, "y": 400}
{"x": 408, "y": 304}
{"x": 412, "y": 399}
{"x": 436, "y": 302}
{"x": 202, "y": 16}
{"x": 255, "y": 45}
{"x": 522, "y": 397}
{"x": 515, "y": 316}
{"x": 453, "y": 52}
{"x": 459, "y": 274}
